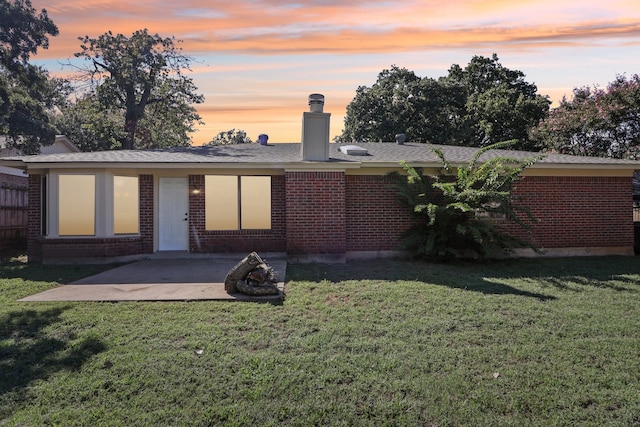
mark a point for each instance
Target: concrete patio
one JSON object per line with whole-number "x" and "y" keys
{"x": 176, "y": 277}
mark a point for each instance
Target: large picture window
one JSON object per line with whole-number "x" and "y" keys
{"x": 76, "y": 205}
{"x": 237, "y": 202}
{"x": 125, "y": 204}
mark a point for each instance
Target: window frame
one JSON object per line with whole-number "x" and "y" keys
{"x": 104, "y": 214}
{"x": 240, "y": 211}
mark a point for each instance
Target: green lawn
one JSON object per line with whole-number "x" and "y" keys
{"x": 522, "y": 342}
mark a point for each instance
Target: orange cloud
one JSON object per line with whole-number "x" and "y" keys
{"x": 274, "y": 26}
{"x": 258, "y": 59}
{"x": 202, "y": 38}
{"x": 407, "y": 39}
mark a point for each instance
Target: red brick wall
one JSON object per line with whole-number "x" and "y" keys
{"x": 573, "y": 212}
{"x": 145, "y": 185}
{"x": 197, "y": 214}
{"x": 376, "y": 218}
{"x": 328, "y": 212}
{"x": 218, "y": 241}
{"x": 34, "y": 213}
{"x": 316, "y": 214}
{"x": 577, "y": 211}
{"x": 332, "y": 213}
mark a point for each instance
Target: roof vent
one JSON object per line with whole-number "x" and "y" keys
{"x": 316, "y": 102}
{"x": 354, "y": 150}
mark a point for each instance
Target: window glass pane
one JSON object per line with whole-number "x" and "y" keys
{"x": 221, "y": 202}
{"x": 255, "y": 202}
{"x": 76, "y": 205}
{"x": 125, "y": 204}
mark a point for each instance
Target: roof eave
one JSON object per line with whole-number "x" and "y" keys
{"x": 610, "y": 166}
{"x": 18, "y": 164}
{"x": 334, "y": 164}
{"x": 186, "y": 165}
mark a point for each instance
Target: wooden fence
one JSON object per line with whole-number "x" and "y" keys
{"x": 13, "y": 214}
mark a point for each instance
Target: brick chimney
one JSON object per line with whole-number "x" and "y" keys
{"x": 315, "y": 131}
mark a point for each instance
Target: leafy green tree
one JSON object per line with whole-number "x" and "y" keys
{"x": 500, "y": 105}
{"x": 480, "y": 104}
{"x": 460, "y": 212}
{"x": 133, "y": 74}
{"x": 232, "y": 136}
{"x": 26, "y": 91}
{"x": 22, "y": 33}
{"x": 381, "y": 111}
{"x": 167, "y": 124}
{"x": 595, "y": 122}
{"x": 401, "y": 102}
{"x": 94, "y": 127}
{"x": 91, "y": 126}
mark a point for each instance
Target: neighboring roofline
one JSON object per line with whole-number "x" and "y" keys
{"x": 70, "y": 145}
{"x": 59, "y": 138}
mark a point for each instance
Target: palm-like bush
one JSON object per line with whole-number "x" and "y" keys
{"x": 461, "y": 211}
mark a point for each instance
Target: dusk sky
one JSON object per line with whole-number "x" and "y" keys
{"x": 256, "y": 61}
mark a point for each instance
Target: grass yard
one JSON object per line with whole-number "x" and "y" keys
{"x": 552, "y": 342}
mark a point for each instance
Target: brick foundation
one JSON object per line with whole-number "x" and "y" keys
{"x": 91, "y": 247}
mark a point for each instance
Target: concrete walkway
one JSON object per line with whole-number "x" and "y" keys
{"x": 166, "y": 279}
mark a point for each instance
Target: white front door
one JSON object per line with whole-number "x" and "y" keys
{"x": 173, "y": 218}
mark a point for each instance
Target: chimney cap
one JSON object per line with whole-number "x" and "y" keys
{"x": 316, "y": 102}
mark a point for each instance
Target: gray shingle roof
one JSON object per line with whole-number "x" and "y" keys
{"x": 379, "y": 154}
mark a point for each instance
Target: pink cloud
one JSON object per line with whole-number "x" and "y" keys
{"x": 273, "y": 49}
{"x": 319, "y": 29}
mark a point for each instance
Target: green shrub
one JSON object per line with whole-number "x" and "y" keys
{"x": 461, "y": 212}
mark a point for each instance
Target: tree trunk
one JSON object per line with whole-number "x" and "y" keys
{"x": 130, "y": 129}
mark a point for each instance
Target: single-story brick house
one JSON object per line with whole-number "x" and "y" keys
{"x": 312, "y": 200}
